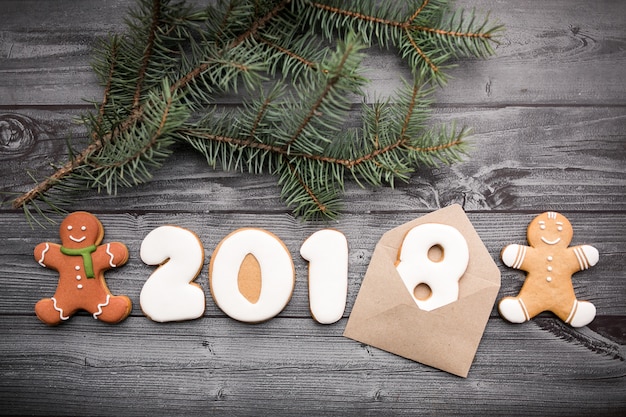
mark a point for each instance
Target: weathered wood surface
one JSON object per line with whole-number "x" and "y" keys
{"x": 549, "y": 121}
{"x": 557, "y": 52}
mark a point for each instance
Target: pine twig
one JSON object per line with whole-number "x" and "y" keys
{"x": 300, "y": 135}
{"x": 42, "y": 187}
{"x": 137, "y": 112}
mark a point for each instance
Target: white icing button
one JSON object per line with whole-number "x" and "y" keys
{"x": 549, "y": 279}
{"x": 77, "y": 267}
{"x": 549, "y": 258}
{"x": 549, "y": 269}
{"x": 79, "y": 286}
{"x": 78, "y": 277}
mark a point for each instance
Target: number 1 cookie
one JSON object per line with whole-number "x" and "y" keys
{"x": 549, "y": 263}
{"x": 81, "y": 260}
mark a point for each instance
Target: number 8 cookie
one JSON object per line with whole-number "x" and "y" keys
{"x": 442, "y": 276}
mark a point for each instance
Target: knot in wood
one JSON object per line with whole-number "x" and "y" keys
{"x": 17, "y": 135}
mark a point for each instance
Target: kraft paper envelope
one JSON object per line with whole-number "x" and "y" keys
{"x": 386, "y": 316}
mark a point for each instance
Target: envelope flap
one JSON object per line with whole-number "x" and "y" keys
{"x": 382, "y": 287}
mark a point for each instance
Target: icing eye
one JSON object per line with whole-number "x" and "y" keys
{"x": 83, "y": 228}
{"x": 69, "y": 227}
{"x": 559, "y": 228}
{"x": 542, "y": 227}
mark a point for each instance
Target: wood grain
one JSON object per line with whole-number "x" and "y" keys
{"x": 563, "y": 52}
{"x": 217, "y": 365}
{"x": 548, "y": 116}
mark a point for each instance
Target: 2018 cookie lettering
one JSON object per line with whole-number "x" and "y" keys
{"x": 170, "y": 293}
{"x": 81, "y": 261}
{"x": 441, "y": 276}
{"x": 275, "y": 266}
{"x": 550, "y": 264}
{"x": 327, "y": 253}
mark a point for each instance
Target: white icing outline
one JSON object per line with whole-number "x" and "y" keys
{"x": 43, "y": 254}
{"x": 170, "y": 294}
{"x": 550, "y": 242}
{"x": 582, "y": 261}
{"x": 327, "y": 253}
{"x": 108, "y": 251}
{"x": 106, "y": 303}
{"x": 520, "y": 256}
{"x": 414, "y": 266}
{"x": 60, "y": 310}
{"x": 572, "y": 313}
{"x": 524, "y": 309}
{"x": 277, "y": 274}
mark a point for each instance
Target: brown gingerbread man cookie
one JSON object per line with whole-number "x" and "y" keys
{"x": 81, "y": 262}
{"x": 550, "y": 264}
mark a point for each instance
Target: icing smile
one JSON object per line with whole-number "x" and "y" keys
{"x": 78, "y": 240}
{"x": 551, "y": 242}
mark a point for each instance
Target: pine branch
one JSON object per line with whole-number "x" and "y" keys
{"x": 427, "y": 37}
{"x": 100, "y": 134}
{"x": 154, "y": 24}
{"x": 175, "y": 60}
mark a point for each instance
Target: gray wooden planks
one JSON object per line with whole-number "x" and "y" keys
{"x": 560, "y": 52}
{"x": 217, "y": 365}
{"x": 548, "y": 117}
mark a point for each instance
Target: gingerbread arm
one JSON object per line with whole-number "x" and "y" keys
{"x": 46, "y": 255}
{"x": 514, "y": 255}
{"x": 586, "y": 255}
{"x": 114, "y": 254}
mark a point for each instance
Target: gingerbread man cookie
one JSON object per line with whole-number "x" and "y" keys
{"x": 81, "y": 262}
{"x": 549, "y": 264}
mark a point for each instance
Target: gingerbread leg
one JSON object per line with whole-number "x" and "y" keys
{"x": 513, "y": 309}
{"x": 114, "y": 309}
{"x": 49, "y": 312}
{"x": 583, "y": 312}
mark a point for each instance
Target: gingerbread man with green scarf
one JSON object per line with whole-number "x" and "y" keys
{"x": 81, "y": 261}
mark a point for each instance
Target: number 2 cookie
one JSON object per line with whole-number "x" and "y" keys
{"x": 549, "y": 263}
{"x": 81, "y": 260}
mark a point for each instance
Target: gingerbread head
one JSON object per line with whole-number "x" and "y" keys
{"x": 81, "y": 261}
{"x": 550, "y": 229}
{"x": 80, "y": 229}
{"x": 549, "y": 262}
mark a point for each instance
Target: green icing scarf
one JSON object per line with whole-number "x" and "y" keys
{"x": 86, "y": 254}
